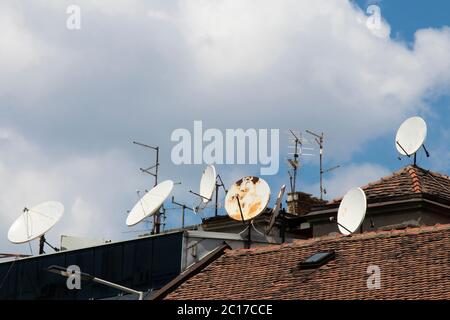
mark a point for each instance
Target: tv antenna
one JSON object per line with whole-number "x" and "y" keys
{"x": 352, "y": 211}
{"x": 35, "y": 222}
{"x": 319, "y": 138}
{"x": 209, "y": 182}
{"x": 411, "y": 137}
{"x": 150, "y": 204}
{"x": 294, "y": 162}
{"x": 246, "y": 199}
{"x": 183, "y": 210}
{"x": 153, "y": 171}
{"x": 298, "y": 148}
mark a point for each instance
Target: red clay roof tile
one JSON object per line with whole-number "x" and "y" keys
{"x": 414, "y": 264}
{"x": 409, "y": 180}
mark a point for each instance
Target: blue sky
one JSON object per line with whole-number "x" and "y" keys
{"x": 405, "y": 19}
{"x": 72, "y": 101}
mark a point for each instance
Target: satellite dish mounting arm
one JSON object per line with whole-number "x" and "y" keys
{"x": 426, "y": 151}
{"x": 408, "y": 155}
{"x": 199, "y": 195}
{"x": 240, "y": 208}
{"x": 333, "y": 219}
{"x": 42, "y": 242}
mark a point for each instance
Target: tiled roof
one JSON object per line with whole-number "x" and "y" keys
{"x": 414, "y": 264}
{"x": 406, "y": 182}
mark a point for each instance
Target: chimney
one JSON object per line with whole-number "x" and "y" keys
{"x": 300, "y": 203}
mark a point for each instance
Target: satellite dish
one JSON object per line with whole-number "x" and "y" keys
{"x": 352, "y": 211}
{"x": 35, "y": 222}
{"x": 249, "y": 194}
{"x": 276, "y": 209}
{"x": 410, "y": 136}
{"x": 150, "y": 203}
{"x": 208, "y": 183}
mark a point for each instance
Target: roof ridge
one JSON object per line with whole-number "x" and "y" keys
{"x": 436, "y": 174}
{"x": 380, "y": 180}
{"x": 416, "y": 184}
{"x": 340, "y": 237}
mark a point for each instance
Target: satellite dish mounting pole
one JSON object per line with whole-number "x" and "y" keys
{"x": 319, "y": 138}
{"x": 290, "y": 181}
{"x": 283, "y": 225}
{"x": 218, "y": 185}
{"x": 249, "y": 240}
{"x": 41, "y": 244}
{"x": 249, "y": 235}
{"x": 319, "y": 141}
{"x": 216, "y": 209}
{"x": 295, "y": 162}
{"x": 157, "y": 216}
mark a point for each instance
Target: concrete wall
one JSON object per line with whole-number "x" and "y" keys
{"x": 420, "y": 217}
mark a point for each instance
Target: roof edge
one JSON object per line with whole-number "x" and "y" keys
{"x": 339, "y": 237}
{"x": 190, "y": 272}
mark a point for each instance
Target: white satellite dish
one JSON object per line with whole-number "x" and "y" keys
{"x": 35, "y": 222}
{"x": 276, "y": 209}
{"x": 352, "y": 211}
{"x": 150, "y": 203}
{"x": 247, "y": 198}
{"x": 208, "y": 183}
{"x": 411, "y": 136}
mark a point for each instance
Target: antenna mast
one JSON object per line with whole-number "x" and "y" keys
{"x": 183, "y": 212}
{"x": 319, "y": 138}
{"x": 294, "y": 162}
{"x": 155, "y": 167}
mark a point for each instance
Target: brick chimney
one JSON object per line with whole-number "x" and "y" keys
{"x": 300, "y": 203}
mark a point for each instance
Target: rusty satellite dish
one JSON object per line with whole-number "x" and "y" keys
{"x": 352, "y": 211}
{"x": 35, "y": 222}
{"x": 247, "y": 198}
{"x": 150, "y": 203}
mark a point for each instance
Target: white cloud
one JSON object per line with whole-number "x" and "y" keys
{"x": 440, "y": 158}
{"x": 350, "y": 176}
{"x": 92, "y": 188}
{"x": 78, "y": 98}
{"x": 311, "y": 64}
{"x": 18, "y": 48}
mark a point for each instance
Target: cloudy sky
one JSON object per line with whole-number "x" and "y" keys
{"x": 72, "y": 101}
